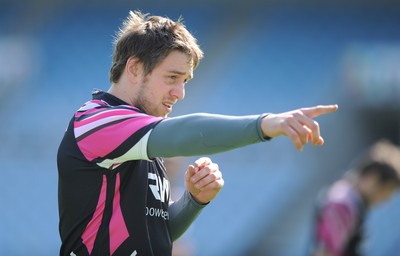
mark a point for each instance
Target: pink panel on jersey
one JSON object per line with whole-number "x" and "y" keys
{"x": 90, "y": 233}
{"x": 102, "y": 113}
{"x": 102, "y": 142}
{"x": 99, "y": 120}
{"x": 118, "y": 231}
{"x": 335, "y": 226}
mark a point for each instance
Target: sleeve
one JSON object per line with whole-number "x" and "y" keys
{"x": 203, "y": 134}
{"x": 112, "y": 135}
{"x": 335, "y": 225}
{"x": 182, "y": 214}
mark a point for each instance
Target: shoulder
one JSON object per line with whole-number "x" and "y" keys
{"x": 342, "y": 199}
{"x": 99, "y": 109}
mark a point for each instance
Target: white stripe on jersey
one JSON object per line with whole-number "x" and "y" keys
{"x": 137, "y": 152}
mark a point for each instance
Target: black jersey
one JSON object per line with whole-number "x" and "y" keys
{"x": 113, "y": 199}
{"x": 339, "y": 220}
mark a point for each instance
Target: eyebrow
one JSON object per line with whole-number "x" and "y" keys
{"x": 181, "y": 73}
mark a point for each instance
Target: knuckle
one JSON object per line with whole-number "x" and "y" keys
{"x": 208, "y": 169}
{"x": 304, "y": 133}
{"x": 212, "y": 177}
{"x": 314, "y": 125}
{"x": 297, "y": 113}
{"x": 285, "y": 126}
{"x": 207, "y": 160}
{"x": 215, "y": 176}
{"x": 215, "y": 167}
{"x": 303, "y": 136}
{"x": 291, "y": 118}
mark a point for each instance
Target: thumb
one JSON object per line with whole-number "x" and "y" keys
{"x": 191, "y": 170}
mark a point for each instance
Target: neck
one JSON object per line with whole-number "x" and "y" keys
{"x": 367, "y": 191}
{"x": 120, "y": 92}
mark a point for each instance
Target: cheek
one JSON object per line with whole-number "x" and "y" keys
{"x": 387, "y": 194}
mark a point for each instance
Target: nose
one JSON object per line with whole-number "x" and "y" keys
{"x": 178, "y": 91}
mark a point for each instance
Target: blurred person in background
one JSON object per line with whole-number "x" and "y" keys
{"x": 114, "y": 192}
{"x": 342, "y": 208}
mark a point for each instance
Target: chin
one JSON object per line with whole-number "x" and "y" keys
{"x": 164, "y": 115}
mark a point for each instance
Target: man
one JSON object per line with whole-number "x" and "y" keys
{"x": 342, "y": 208}
{"x": 113, "y": 188}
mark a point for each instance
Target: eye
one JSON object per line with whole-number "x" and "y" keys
{"x": 187, "y": 80}
{"x": 173, "y": 77}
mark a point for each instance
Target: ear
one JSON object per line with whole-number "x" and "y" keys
{"x": 133, "y": 68}
{"x": 372, "y": 179}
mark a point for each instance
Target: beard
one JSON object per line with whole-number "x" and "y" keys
{"x": 145, "y": 101}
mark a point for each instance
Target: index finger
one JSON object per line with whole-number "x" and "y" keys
{"x": 319, "y": 110}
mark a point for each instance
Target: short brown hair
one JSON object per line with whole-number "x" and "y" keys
{"x": 151, "y": 39}
{"x": 382, "y": 158}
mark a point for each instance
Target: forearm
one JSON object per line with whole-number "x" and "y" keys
{"x": 182, "y": 214}
{"x": 203, "y": 134}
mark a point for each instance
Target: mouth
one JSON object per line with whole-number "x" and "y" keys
{"x": 168, "y": 106}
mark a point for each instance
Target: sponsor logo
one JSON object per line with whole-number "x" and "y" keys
{"x": 161, "y": 189}
{"x": 157, "y": 212}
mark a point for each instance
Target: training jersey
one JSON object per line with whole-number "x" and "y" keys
{"x": 340, "y": 220}
{"x": 113, "y": 199}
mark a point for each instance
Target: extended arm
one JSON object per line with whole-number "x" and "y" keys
{"x": 203, "y": 134}
{"x": 132, "y": 135}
